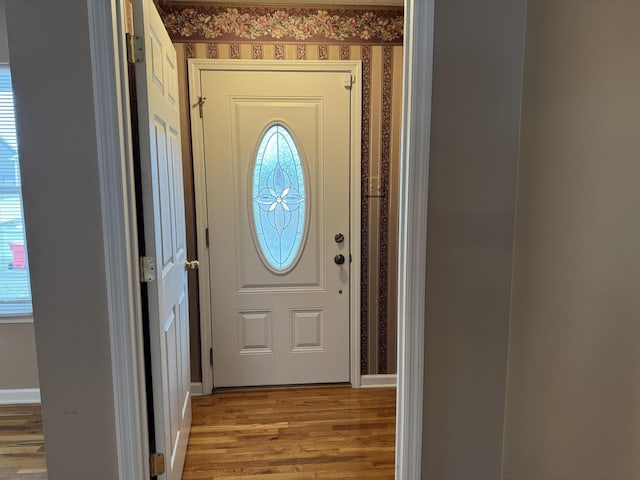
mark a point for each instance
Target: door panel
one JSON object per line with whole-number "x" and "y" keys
{"x": 269, "y": 326}
{"x": 164, "y": 227}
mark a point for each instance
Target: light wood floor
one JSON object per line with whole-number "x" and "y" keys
{"x": 21, "y": 443}
{"x": 306, "y": 433}
{"x": 278, "y": 434}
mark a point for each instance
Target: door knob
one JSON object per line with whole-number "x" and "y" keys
{"x": 339, "y": 259}
{"x": 339, "y": 238}
{"x": 191, "y": 264}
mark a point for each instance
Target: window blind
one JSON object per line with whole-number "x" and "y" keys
{"x": 15, "y": 292}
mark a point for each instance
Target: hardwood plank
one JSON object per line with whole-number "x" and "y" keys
{"x": 277, "y": 434}
{"x": 22, "y": 454}
{"x": 293, "y": 433}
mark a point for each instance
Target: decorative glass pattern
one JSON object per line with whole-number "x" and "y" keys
{"x": 279, "y": 199}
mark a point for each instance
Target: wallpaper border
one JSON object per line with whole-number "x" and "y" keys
{"x": 269, "y": 24}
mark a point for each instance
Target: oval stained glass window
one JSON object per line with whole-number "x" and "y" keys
{"x": 279, "y": 199}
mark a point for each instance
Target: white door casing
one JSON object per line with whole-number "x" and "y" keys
{"x": 165, "y": 236}
{"x": 277, "y": 328}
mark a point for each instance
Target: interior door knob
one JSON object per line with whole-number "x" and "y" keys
{"x": 191, "y": 264}
{"x": 339, "y": 259}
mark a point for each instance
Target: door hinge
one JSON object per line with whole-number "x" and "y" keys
{"x": 156, "y": 464}
{"x": 206, "y": 237}
{"x": 135, "y": 49}
{"x": 211, "y": 357}
{"x": 350, "y": 259}
{"x": 349, "y": 80}
{"x": 200, "y": 104}
{"x": 147, "y": 269}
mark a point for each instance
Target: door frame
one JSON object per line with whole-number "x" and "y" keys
{"x": 412, "y": 244}
{"x": 107, "y": 40}
{"x": 348, "y": 67}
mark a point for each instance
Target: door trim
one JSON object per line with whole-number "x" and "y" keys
{"x": 106, "y": 27}
{"x": 412, "y": 245}
{"x": 349, "y": 67}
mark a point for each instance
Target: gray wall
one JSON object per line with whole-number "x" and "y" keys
{"x": 574, "y": 376}
{"x": 4, "y": 44}
{"x": 18, "y": 367}
{"x": 474, "y": 150}
{"x": 53, "y": 84}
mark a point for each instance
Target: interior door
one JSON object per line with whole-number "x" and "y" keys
{"x": 277, "y": 153}
{"x": 165, "y": 243}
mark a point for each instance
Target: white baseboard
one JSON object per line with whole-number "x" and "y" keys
{"x": 19, "y": 395}
{"x": 196, "y": 389}
{"x": 377, "y": 381}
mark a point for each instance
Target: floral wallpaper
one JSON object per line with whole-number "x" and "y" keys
{"x": 264, "y": 24}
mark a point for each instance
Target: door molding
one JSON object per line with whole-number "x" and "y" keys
{"x": 106, "y": 25}
{"x": 412, "y": 245}
{"x": 351, "y": 67}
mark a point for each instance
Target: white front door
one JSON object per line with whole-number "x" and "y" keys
{"x": 277, "y": 161}
{"x": 165, "y": 243}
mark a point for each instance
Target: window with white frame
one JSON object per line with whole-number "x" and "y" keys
{"x": 15, "y": 292}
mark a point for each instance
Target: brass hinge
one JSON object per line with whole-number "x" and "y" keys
{"x": 135, "y": 49}
{"x": 156, "y": 464}
{"x": 147, "y": 269}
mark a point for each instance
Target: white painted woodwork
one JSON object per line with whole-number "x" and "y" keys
{"x": 164, "y": 225}
{"x": 271, "y": 328}
{"x": 412, "y": 242}
{"x": 117, "y": 192}
{"x": 12, "y": 396}
{"x": 196, "y": 389}
{"x": 379, "y": 380}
